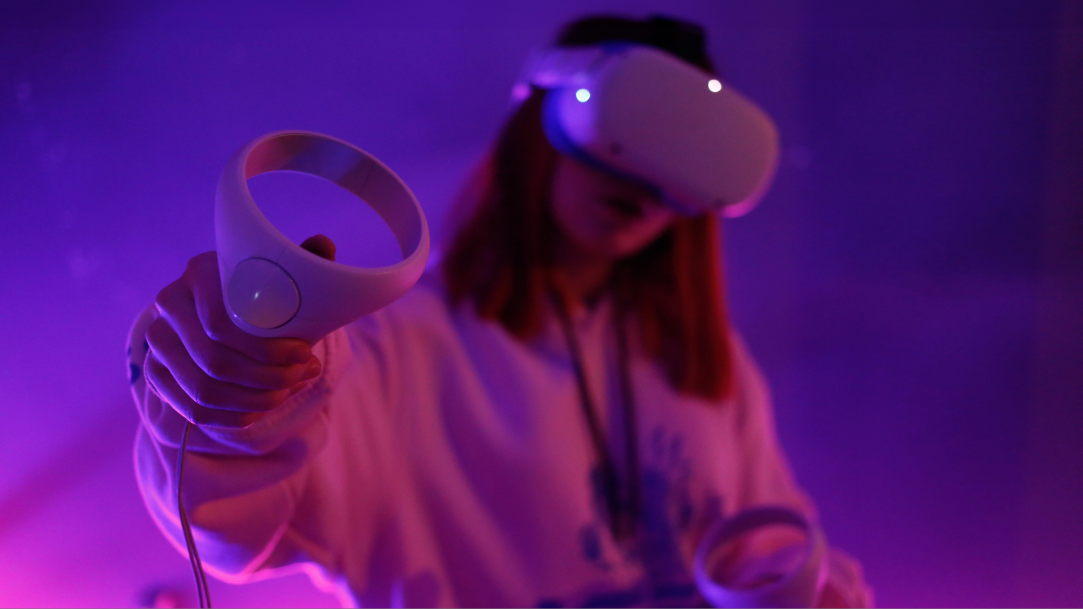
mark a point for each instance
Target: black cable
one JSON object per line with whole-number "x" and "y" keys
{"x": 623, "y": 515}
{"x": 193, "y": 554}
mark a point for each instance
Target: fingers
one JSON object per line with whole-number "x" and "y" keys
{"x": 209, "y": 370}
{"x": 162, "y": 383}
{"x": 177, "y": 307}
{"x": 321, "y": 245}
{"x": 206, "y": 287}
{"x": 201, "y": 388}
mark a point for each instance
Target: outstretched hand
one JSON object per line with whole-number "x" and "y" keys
{"x": 209, "y": 370}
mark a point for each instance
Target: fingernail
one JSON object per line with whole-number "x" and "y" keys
{"x": 313, "y": 370}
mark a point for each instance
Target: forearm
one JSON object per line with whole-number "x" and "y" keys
{"x": 241, "y": 486}
{"x": 234, "y": 532}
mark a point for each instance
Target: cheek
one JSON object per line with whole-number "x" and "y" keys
{"x": 583, "y": 217}
{"x": 576, "y": 216}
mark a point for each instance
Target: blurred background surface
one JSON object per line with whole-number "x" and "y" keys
{"x": 912, "y": 285}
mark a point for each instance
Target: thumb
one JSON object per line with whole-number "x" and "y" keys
{"x": 321, "y": 245}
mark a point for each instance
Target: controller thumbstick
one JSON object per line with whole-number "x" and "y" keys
{"x": 262, "y": 294}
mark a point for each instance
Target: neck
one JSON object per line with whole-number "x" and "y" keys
{"x": 581, "y": 276}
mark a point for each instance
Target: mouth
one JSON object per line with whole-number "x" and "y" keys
{"x": 625, "y": 207}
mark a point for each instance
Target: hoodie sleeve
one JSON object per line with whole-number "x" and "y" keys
{"x": 275, "y": 493}
{"x": 768, "y": 479}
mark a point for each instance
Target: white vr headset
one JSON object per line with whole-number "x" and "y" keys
{"x": 645, "y": 115}
{"x": 632, "y": 110}
{"x": 273, "y": 287}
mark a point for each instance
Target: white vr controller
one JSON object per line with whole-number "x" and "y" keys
{"x": 645, "y": 115}
{"x": 273, "y": 287}
{"x": 799, "y": 587}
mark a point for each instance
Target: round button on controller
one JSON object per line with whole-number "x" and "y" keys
{"x": 262, "y": 294}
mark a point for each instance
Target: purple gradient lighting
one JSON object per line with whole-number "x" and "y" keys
{"x": 911, "y": 285}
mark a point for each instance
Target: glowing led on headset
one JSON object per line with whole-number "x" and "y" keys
{"x": 582, "y": 95}
{"x": 714, "y": 85}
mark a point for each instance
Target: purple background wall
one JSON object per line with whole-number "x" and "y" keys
{"x": 912, "y": 284}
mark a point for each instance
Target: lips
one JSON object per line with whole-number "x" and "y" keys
{"x": 624, "y": 207}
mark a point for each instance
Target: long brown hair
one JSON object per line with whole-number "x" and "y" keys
{"x": 502, "y": 256}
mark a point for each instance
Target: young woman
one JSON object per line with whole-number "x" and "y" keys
{"x": 552, "y": 418}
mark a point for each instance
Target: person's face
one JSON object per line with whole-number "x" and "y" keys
{"x": 605, "y": 216}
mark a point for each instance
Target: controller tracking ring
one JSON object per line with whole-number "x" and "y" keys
{"x": 273, "y": 287}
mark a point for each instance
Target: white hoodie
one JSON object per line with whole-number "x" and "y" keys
{"x": 438, "y": 460}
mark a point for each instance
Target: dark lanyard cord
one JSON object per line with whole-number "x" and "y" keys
{"x": 623, "y": 514}
{"x": 631, "y": 423}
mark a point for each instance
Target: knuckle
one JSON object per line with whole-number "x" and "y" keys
{"x": 161, "y": 334}
{"x": 219, "y": 366}
{"x": 200, "y": 263}
{"x": 158, "y": 374}
{"x": 169, "y": 295}
{"x": 272, "y": 400}
{"x": 163, "y": 340}
{"x": 197, "y": 416}
{"x": 152, "y": 373}
{"x": 216, "y": 397}
{"x": 263, "y": 401}
{"x": 193, "y": 265}
{"x": 278, "y": 379}
{"x": 248, "y": 420}
{"x": 162, "y": 301}
{"x": 204, "y": 394}
{"x": 183, "y": 410}
{"x": 218, "y": 324}
{"x": 157, "y": 331}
